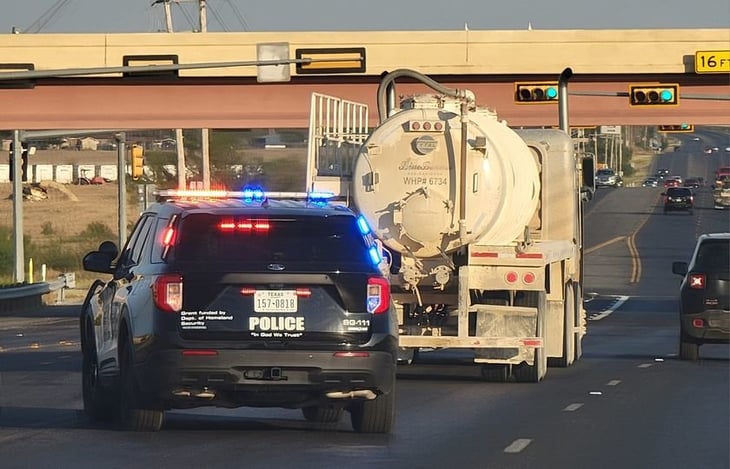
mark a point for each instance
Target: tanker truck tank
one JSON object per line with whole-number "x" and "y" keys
{"x": 407, "y": 177}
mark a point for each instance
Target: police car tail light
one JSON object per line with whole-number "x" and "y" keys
{"x": 167, "y": 292}
{"x": 378, "y": 295}
{"x": 697, "y": 281}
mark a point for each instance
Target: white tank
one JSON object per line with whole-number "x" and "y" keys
{"x": 406, "y": 180}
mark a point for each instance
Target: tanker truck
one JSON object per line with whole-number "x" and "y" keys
{"x": 481, "y": 225}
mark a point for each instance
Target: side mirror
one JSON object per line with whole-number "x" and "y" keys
{"x": 679, "y": 268}
{"x": 101, "y": 260}
{"x": 588, "y": 178}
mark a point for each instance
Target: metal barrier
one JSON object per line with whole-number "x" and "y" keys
{"x": 30, "y": 295}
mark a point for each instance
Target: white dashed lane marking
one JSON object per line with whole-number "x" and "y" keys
{"x": 573, "y": 407}
{"x": 613, "y": 382}
{"x": 518, "y": 445}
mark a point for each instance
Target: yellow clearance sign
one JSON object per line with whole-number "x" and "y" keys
{"x": 712, "y": 61}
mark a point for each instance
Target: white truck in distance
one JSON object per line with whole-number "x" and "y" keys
{"x": 482, "y": 224}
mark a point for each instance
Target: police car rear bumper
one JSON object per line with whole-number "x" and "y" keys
{"x": 277, "y": 378}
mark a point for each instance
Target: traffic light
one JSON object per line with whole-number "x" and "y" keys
{"x": 545, "y": 92}
{"x": 677, "y": 128}
{"x": 137, "y": 161}
{"x": 23, "y": 162}
{"x": 654, "y": 94}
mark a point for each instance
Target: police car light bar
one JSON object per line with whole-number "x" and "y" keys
{"x": 245, "y": 194}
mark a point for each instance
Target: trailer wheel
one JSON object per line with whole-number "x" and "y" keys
{"x": 525, "y": 373}
{"x": 580, "y": 321}
{"x": 495, "y": 373}
{"x": 568, "y": 335}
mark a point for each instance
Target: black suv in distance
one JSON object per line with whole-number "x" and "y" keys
{"x": 678, "y": 198}
{"x": 241, "y": 301}
{"x": 704, "y": 295}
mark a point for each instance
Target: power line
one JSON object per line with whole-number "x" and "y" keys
{"x": 43, "y": 20}
{"x": 238, "y": 14}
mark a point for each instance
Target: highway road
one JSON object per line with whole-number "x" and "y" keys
{"x": 629, "y": 403}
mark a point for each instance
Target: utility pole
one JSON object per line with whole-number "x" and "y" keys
{"x": 179, "y": 143}
{"x": 204, "y": 133}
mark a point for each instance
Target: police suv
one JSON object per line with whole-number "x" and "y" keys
{"x": 235, "y": 299}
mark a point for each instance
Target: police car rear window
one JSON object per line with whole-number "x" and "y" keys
{"x": 207, "y": 239}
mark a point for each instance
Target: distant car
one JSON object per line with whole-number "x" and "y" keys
{"x": 715, "y": 148}
{"x": 727, "y": 149}
{"x": 661, "y": 173}
{"x": 692, "y": 182}
{"x": 708, "y": 150}
{"x": 672, "y": 183}
{"x": 607, "y": 177}
{"x": 704, "y": 295}
{"x": 678, "y": 199}
{"x": 650, "y": 182}
{"x": 721, "y": 198}
{"x": 696, "y": 139}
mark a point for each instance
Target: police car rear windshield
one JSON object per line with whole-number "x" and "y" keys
{"x": 245, "y": 241}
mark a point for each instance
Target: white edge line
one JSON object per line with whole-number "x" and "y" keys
{"x": 573, "y": 407}
{"x": 606, "y": 312}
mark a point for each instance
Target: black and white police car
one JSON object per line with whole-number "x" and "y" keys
{"x": 234, "y": 299}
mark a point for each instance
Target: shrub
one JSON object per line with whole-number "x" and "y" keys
{"x": 47, "y": 228}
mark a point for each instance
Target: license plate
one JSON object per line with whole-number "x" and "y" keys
{"x": 275, "y": 301}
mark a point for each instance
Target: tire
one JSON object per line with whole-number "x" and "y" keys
{"x": 495, "y": 373}
{"x": 131, "y": 416}
{"x": 322, "y": 414}
{"x": 376, "y": 416}
{"x": 688, "y": 350}
{"x": 534, "y": 373}
{"x": 568, "y": 335}
{"x": 580, "y": 321}
{"x": 98, "y": 401}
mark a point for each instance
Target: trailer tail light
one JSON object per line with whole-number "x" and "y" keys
{"x": 699, "y": 323}
{"x": 511, "y": 277}
{"x": 167, "y": 292}
{"x": 697, "y": 281}
{"x": 528, "y": 278}
{"x": 425, "y": 126}
{"x": 378, "y": 295}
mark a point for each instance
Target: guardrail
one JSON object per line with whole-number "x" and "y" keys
{"x": 22, "y": 297}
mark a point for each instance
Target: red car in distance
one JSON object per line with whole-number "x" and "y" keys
{"x": 672, "y": 182}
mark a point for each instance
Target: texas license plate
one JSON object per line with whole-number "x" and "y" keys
{"x": 275, "y": 301}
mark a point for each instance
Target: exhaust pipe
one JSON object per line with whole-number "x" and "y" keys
{"x": 360, "y": 393}
{"x": 204, "y": 394}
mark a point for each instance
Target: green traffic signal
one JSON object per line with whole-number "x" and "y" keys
{"x": 536, "y": 92}
{"x": 654, "y": 94}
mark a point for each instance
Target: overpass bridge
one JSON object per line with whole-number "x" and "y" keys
{"x": 604, "y": 62}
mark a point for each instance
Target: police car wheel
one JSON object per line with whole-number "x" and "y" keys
{"x": 98, "y": 404}
{"x": 376, "y": 416}
{"x": 322, "y": 414}
{"x": 131, "y": 416}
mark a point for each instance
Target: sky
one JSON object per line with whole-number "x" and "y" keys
{"x": 120, "y": 16}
